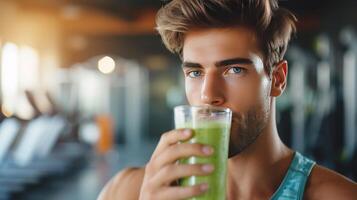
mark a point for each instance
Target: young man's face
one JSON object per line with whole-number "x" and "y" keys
{"x": 224, "y": 67}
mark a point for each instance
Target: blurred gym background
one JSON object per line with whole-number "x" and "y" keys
{"x": 87, "y": 88}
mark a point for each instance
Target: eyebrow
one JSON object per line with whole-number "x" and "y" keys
{"x": 221, "y": 63}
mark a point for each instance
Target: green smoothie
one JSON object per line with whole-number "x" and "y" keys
{"x": 215, "y": 134}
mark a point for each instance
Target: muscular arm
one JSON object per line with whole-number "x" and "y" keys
{"x": 326, "y": 184}
{"x": 125, "y": 185}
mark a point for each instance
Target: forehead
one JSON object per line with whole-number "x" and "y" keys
{"x": 219, "y": 43}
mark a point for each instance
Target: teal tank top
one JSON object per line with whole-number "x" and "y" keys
{"x": 293, "y": 185}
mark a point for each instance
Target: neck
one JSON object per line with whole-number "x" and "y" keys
{"x": 257, "y": 172}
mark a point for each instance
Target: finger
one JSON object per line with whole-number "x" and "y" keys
{"x": 170, "y": 173}
{"x": 170, "y": 138}
{"x": 183, "y": 150}
{"x": 179, "y": 192}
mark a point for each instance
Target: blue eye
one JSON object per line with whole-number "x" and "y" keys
{"x": 235, "y": 70}
{"x": 194, "y": 74}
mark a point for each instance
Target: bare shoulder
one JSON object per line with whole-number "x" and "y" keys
{"x": 125, "y": 185}
{"x": 327, "y": 184}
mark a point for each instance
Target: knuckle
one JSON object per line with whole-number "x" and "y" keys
{"x": 194, "y": 190}
{"x": 198, "y": 147}
{"x": 175, "y": 150}
{"x": 152, "y": 167}
{"x": 164, "y": 136}
{"x": 197, "y": 167}
{"x": 155, "y": 167}
{"x": 149, "y": 168}
{"x": 187, "y": 149}
{"x": 168, "y": 169}
{"x": 148, "y": 186}
{"x": 178, "y": 148}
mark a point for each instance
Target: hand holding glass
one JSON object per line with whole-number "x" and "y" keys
{"x": 211, "y": 126}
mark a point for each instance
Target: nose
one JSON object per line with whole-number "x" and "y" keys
{"x": 212, "y": 91}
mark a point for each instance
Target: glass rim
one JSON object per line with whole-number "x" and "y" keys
{"x": 189, "y": 107}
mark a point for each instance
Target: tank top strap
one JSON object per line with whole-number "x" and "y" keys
{"x": 293, "y": 184}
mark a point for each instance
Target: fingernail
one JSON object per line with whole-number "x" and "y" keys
{"x": 207, "y": 150}
{"x": 204, "y": 187}
{"x": 208, "y": 168}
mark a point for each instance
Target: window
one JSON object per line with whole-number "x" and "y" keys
{"x": 19, "y": 71}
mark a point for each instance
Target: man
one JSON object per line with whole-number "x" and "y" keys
{"x": 232, "y": 53}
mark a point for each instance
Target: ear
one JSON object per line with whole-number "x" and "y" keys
{"x": 279, "y": 78}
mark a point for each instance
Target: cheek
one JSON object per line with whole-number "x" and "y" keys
{"x": 242, "y": 96}
{"x": 192, "y": 92}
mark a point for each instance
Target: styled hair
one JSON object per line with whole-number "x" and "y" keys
{"x": 272, "y": 25}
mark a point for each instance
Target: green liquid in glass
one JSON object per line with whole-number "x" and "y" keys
{"x": 215, "y": 134}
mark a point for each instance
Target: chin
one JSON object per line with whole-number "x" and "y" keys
{"x": 242, "y": 136}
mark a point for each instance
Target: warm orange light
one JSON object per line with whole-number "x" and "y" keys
{"x": 6, "y": 112}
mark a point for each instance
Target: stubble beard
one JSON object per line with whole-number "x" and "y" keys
{"x": 246, "y": 128}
